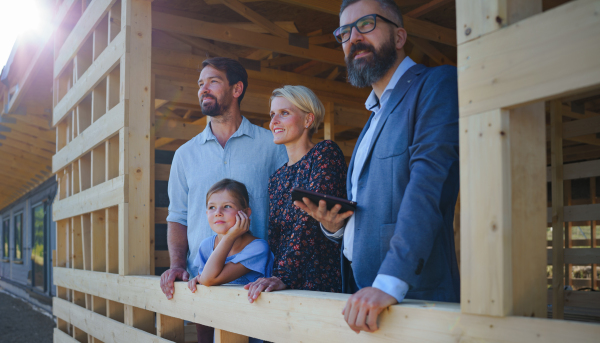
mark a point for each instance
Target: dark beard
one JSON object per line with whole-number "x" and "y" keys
{"x": 211, "y": 110}
{"x": 368, "y": 70}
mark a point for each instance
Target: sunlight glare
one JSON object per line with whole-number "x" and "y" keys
{"x": 20, "y": 18}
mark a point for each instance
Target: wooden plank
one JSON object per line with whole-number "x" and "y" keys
{"x": 256, "y": 18}
{"x": 80, "y": 33}
{"x": 486, "y": 265}
{"x": 579, "y": 256}
{"x": 107, "y": 60}
{"x": 102, "y": 196}
{"x": 76, "y": 243}
{"x": 218, "y": 32}
{"x": 427, "y": 7}
{"x": 579, "y": 170}
{"x": 179, "y": 130}
{"x": 288, "y": 26}
{"x": 222, "y": 336}
{"x": 112, "y": 240}
{"x": 581, "y": 127}
{"x": 61, "y": 337}
{"x": 557, "y": 210}
{"x": 491, "y": 76}
{"x": 86, "y": 238}
{"x": 170, "y": 328}
{"x": 576, "y": 213}
{"x": 579, "y": 299}
{"x": 474, "y": 20}
{"x": 61, "y": 242}
{"x": 98, "y": 243}
{"x": 431, "y": 51}
{"x": 162, "y": 171}
{"x": 99, "y": 326}
{"x": 135, "y": 73}
{"x": 329, "y": 121}
{"x": 414, "y": 27}
{"x": 140, "y": 318}
{"x": 528, "y": 193}
{"x": 282, "y": 316}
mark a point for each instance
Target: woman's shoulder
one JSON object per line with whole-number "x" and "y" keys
{"x": 327, "y": 149}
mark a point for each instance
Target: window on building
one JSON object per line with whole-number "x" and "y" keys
{"x": 5, "y": 237}
{"x": 38, "y": 253}
{"x": 18, "y": 234}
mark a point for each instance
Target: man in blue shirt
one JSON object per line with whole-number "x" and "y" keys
{"x": 229, "y": 147}
{"x": 404, "y": 176}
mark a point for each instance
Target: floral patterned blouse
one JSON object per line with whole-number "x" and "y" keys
{"x": 304, "y": 257}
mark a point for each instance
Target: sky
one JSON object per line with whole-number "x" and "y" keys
{"x": 20, "y": 17}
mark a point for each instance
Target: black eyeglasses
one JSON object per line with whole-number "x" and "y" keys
{"x": 364, "y": 24}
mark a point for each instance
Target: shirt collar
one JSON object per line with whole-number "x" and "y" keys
{"x": 246, "y": 128}
{"x": 372, "y": 102}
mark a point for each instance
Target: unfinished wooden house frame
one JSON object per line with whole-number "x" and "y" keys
{"x": 124, "y": 85}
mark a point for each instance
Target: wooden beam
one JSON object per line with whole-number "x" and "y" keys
{"x": 80, "y": 33}
{"x": 557, "y": 210}
{"x": 202, "y": 44}
{"x": 105, "y": 195}
{"x": 431, "y": 51}
{"x": 256, "y": 18}
{"x": 288, "y": 26}
{"x": 581, "y": 127}
{"x": 105, "y": 329}
{"x": 486, "y": 236}
{"x": 99, "y": 69}
{"x": 202, "y": 29}
{"x": 444, "y": 322}
{"x": 105, "y": 127}
{"x": 414, "y": 27}
{"x": 491, "y": 76}
{"x": 577, "y": 213}
{"x": 579, "y": 256}
{"x": 427, "y": 7}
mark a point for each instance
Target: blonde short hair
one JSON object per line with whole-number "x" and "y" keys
{"x": 306, "y": 100}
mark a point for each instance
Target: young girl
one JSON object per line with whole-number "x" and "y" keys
{"x": 232, "y": 255}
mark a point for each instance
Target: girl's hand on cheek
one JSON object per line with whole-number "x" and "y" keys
{"x": 242, "y": 225}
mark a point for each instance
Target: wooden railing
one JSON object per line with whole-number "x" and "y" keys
{"x": 288, "y": 316}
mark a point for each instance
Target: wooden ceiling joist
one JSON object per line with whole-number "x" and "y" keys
{"x": 256, "y": 18}
{"x": 218, "y": 32}
{"x": 414, "y": 27}
{"x": 426, "y": 8}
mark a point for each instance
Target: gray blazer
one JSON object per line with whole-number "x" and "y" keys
{"x": 408, "y": 187}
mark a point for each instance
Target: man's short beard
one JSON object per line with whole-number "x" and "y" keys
{"x": 212, "y": 110}
{"x": 366, "y": 71}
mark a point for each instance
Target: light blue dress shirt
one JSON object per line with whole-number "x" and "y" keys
{"x": 249, "y": 156}
{"x": 389, "y": 284}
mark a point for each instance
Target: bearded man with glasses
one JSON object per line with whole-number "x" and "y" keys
{"x": 399, "y": 243}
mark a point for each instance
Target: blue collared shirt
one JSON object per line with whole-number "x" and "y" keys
{"x": 389, "y": 284}
{"x": 249, "y": 156}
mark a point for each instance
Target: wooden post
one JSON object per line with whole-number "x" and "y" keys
{"x": 568, "y": 229}
{"x": 139, "y": 318}
{"x": 328, "y": 122}
{"x": 558, "y": 260}
{"x": 222, "y": 336}
{"x": 170, "y": 328}
{"x": 135, "y": 73}
{"x": 502, "y": 153}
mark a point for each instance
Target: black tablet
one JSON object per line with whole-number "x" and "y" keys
{"x": 299, "y": 193}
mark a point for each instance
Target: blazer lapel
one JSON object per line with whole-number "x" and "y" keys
{"x": 395, "y": 98}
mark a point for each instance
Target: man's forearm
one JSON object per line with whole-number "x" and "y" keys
{"x": 178, "y": 244}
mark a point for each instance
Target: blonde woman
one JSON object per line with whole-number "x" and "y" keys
{"x": 304, "y": 257}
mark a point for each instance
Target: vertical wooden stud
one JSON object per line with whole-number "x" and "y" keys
{"x": 86, "y": 241}
{"x": 568, "y": 230}
{"x": 76, "y": 243}
{"x": 328, "y": 122}
{"x": 170, "y": 328}
{"x": 98, "y": 165}
{"x": 140, "y": 318}
{"x": 486, "y": 237}
{"x": 112, "y": 240}
{"x": 112, "y": 157}
{"x": 98, "y": 242}
{"x": 75, "y": 177}
{"x": 529, "y": 211}
{"x": 135, "y": 66}
{"x": 558, "y": 260}
{"x": 61, "y": 243}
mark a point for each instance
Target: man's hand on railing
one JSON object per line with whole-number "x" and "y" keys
{"x": 363, "y": 308}
{"x": 167, "y": 280}
{"x": 263, "y": 285}
{"x": 331, "y": 220}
